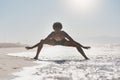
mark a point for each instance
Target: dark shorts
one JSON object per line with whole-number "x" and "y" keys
{"x": 61, "y": 42}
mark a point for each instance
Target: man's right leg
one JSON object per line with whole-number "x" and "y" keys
{"x": 40, "y": 45}
{"x": 38, "y": 50}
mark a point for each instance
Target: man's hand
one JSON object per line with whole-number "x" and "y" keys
{"x": 28, "y": 48}
{"x": 86, "y": 47}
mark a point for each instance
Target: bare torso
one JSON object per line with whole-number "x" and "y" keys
{"x": 58, "y": 36}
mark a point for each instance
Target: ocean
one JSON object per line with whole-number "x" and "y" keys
{"x": 66, "y": 63}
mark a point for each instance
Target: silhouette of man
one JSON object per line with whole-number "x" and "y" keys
{"x": 59, "y": 37}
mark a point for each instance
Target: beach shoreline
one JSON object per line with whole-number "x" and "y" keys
{"x": 10, "y": 64}
{"x": 65, "y": 63}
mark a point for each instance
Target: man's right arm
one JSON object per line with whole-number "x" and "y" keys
{"x": 49, "y": 36}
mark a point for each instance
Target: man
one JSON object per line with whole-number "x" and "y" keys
{"x": 59, "y": 37}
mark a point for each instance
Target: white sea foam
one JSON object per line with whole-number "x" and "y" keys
{"x": 65, "y": 63}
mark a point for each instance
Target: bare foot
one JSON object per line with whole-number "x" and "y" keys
{"x": 87, "y": 59}
{"x": 36, "y": 58}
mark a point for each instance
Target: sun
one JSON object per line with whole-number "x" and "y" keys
{"x": 82, "y": 6}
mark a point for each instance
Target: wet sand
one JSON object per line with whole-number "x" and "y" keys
{"x": 11, "y": 64}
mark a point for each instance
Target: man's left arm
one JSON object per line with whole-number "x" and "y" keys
{"x": 68, "y": 37}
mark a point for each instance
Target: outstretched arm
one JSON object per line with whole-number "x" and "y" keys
{"x": 48, "y": 37}
{"x": 32, "y": 46}
{"x": 70, "y": 38}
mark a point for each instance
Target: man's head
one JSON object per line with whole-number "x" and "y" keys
{"x": 57, "y": 26}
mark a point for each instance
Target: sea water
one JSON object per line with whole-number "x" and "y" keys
{"x": 66, "y": 63}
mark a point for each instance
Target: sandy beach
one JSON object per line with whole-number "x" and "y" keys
{"x": 11, "y": 64}
{"x": 65, "y": 63}
{"x": 61, "y": 63}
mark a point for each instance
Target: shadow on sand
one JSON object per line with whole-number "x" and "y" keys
{"x": 62, "y": 61}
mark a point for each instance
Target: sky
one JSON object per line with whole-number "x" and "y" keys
{"x": 29, "y": 21}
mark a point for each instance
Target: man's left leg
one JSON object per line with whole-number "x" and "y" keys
{"x": 73, "y": 44}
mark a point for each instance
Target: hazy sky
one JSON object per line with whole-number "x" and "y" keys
{"x": 29, "y": 21}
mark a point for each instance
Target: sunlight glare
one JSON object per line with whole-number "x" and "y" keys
{"x": 81, "y": 6}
